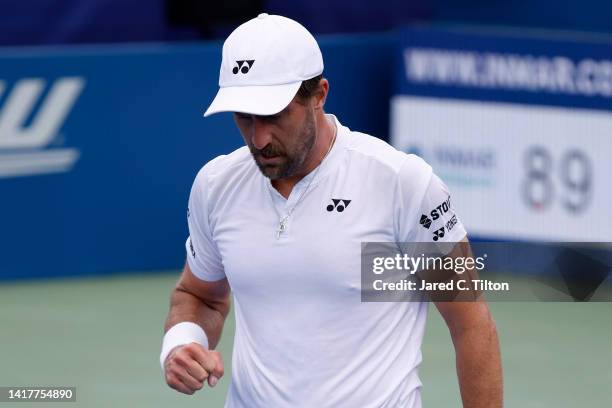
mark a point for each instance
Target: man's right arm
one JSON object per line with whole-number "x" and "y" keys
{"x": 205, "y": 303}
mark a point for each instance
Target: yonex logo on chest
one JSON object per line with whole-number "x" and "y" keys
{"x": 338, "y": 204}
{"x": 243, "y": 66}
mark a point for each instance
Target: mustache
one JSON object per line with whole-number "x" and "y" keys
{"x": 268, "y": 151}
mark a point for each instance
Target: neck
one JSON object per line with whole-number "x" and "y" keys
{"x": 326, "y": 131}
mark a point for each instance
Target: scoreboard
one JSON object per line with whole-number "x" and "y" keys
{"x": 519, "y": 128}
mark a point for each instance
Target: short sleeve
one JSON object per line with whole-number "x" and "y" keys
{"x": 203, "y": 255}
{"x": 437, "y": 220}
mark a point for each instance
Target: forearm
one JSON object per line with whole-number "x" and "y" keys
{"x": 479, "y": 366}
{"x": 184, "y": 306}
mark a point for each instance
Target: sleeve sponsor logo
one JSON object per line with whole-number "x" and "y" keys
{"x": 450, "y": 224}
{"x": 426, "y": 220}
{"x": 441, "y": 209}
{"x": 439, "y": 233}
{"x": 193, "y": 252}
{"x": 436, "y": 213}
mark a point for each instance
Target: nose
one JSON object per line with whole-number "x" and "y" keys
{"x": 260, "y": 133}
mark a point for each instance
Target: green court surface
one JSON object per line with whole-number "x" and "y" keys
{"x": 103, "y": 336}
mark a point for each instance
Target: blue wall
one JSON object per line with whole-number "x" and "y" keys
{"x": 97, "y": 21}
{"x": 137, "y": 126}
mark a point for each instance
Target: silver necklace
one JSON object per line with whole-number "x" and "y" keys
{"x": 282, "y": 223}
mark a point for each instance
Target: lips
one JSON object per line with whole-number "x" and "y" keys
{"x": 268, "y": 155}
{"x": 270, "y": 160}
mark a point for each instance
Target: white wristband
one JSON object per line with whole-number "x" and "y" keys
{"x": 179, "y": 334}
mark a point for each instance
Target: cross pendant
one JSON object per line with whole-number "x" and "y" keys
{"x": 282, "y": 226}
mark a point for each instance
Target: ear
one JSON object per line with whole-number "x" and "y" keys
{"x": 320, "y": 95}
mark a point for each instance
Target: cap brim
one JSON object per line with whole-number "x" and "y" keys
{"x": 257, "y": 100}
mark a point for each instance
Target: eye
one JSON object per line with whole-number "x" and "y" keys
{"x": 271, "y": 118}
{"x": 242, "y": 116}
{"x": 276, "y": 116}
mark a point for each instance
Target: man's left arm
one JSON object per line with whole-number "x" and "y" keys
{"x": 478, "y": 357}
{"x": 435, "y": 224}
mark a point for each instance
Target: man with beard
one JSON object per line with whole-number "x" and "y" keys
{"x": 280, "y": 221}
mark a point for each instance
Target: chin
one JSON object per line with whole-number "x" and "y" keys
{"x": 271, "y": 172}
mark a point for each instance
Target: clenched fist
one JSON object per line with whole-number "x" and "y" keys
{"x": 188, "y": 366}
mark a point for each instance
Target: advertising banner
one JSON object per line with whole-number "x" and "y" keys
{"x": 99, "y": 146}
{"x": 519, "y": 127}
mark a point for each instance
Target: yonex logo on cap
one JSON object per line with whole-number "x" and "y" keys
{"x": 242, "y": 67}
{"x": 287, "y": 53}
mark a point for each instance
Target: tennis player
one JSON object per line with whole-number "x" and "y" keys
{"x": 279, "y": 222}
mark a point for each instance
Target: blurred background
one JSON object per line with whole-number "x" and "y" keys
{"x": 101, "y": 135}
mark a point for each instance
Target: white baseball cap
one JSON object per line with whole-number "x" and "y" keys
{"x": 264, "y": 63}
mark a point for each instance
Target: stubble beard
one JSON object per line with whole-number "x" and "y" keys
{"x": 292, "y": 162}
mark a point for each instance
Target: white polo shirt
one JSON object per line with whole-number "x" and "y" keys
{"x": 303, "y": 337}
